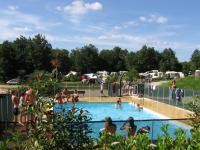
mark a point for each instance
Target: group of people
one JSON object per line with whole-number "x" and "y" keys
{"x": 129, "y": 126}
{"x": 24, "y": 100}
{"x": 64, "y": 97}
{"x": 20, "y": 101}
{"x": 119, "y": 103}
{"x": 129, "y": 88}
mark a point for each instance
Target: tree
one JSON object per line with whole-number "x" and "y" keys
{"x": 132, "y": 74}
{"x": 186, "y": 67}
{"x": 23, "y": 65}
{"x": 147, "y": 59}
{"x": 85, "y": 59}
{"x": 63, "y": 59}
{"x": 40, "y": 52}
{"x": 113, "y": 60}
{"x": 7, "y": 61}
{"x": 131, "y": 60}
{"x": 105, "y": 57}
{"x": 118, "y": 59}
{"x": 195, "y": 60}
{"x": 169, "y": 61}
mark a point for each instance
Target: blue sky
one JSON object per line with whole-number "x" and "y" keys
{"x": 106, "y": 23}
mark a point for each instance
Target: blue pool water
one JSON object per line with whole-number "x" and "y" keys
{"x": 101, "y": 110}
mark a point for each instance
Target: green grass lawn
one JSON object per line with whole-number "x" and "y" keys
{"x": 185, "y": 83}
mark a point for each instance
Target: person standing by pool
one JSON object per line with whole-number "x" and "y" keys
{"x": 16, "y": 111}
{"x": 101, "y": 88}
{"x": 75, "y": 96}
{"x": 65, "y": 95}
{"x": 129, "y": 126}
{"x": 109, "y": 126}
{"x": 58, "y": 98}
{"x": 173, "y": 90}
{"x": 22, "y": 105}
{"x": 30, "y": 99}
{"x": 173, "y": 84}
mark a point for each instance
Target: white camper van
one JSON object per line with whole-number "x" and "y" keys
{"x": 154, "y": 74}
{"x": 103, "y": 75}
{"x": 173, "y": 75}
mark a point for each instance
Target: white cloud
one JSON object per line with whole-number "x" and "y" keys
{"x": 12, "y": 8}
{"x": 154, "y": 19}
{"x": 130, "y": 24}
{"x": 17, "y": 17}
{"x": 78, "y": 9}
{"x": 14, "y": 23}
{"x": 58, "y": 8}
{"x": 4, "y": 22}
{"x": 128, "y": 41}
{"x": 94, "y": 6}
{"x": 142, "y": 18}
{"x": 22, "y": 29}
{"x": 162, "y": 20}
{"x": 117, "y": 28}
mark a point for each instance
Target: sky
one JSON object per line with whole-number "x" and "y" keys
{"x": 129, "y": 24}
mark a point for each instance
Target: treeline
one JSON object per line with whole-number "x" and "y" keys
{"x": 25, "y": 55}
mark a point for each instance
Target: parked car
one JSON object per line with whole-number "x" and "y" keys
{"x": 13, "y": 81}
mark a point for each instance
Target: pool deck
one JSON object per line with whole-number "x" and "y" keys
{"x": 158, "y": 107}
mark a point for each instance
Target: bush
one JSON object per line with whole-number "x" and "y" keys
{"x": 67, "y": 130}
{"x": 44, "y": 83}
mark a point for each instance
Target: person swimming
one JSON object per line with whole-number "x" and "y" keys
{"x": 144, "y": 130}
{"x": 139, "y": 108}
{"x": 118, "y": 103}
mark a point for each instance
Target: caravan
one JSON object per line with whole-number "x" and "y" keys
{"x": 154, "y": 74}
{"x": 91, "y": 78}
{"x": 103, "y": 75}
{"x": 173, "y": 75}
{"x": 151, "y": 75}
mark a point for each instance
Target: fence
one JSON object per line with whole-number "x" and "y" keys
{"x": 92, "y": 90}
{"x": 154, "y": 124}
{"x": 5, "y": 109}
{"x": 158, "y": 94}
{"x": 176, "y": 97}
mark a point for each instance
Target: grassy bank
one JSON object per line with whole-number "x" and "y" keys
{"x": 185, "y": 83}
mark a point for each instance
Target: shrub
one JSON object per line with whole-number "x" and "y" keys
{"x": 44, "y": 83}
{"x": 67, "y": 130}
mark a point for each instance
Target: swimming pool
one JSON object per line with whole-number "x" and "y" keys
{"x": 144, "y": 117}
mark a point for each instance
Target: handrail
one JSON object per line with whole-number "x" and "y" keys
{"x": 100, "y": 121}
